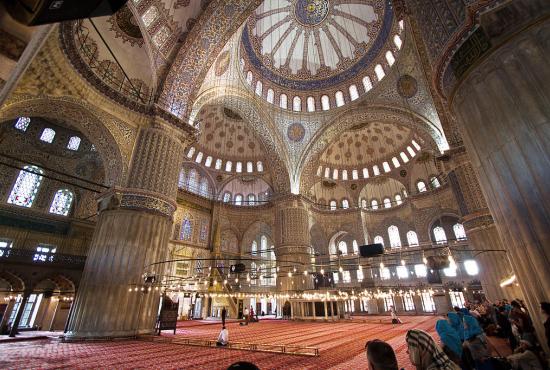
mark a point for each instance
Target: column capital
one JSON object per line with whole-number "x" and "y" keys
{"x": 136, "y": 199}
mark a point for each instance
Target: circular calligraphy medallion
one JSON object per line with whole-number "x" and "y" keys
{"x": 296, "y": 132}
{"x": 311, "y": 12}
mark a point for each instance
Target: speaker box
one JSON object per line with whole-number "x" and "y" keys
{"x": 433, "y": 276}
{"x": 437, "y": 262}
{"x": 36, "y": 12}
{"x": 237, "y": 268}
{"x": 371, "y": 250}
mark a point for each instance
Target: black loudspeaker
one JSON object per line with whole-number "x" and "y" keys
{"x": 437, "y": 262}
{"x": 239, "y": 267}
{"x": 36, "y": 12}
{"x": 371, "y": 250}
{"x": 433, "y": 276}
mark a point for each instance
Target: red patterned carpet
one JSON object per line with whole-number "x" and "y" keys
{"x": 341, "y": 347}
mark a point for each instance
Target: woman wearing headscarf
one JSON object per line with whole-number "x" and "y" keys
{"x": 452, "y": 345}
{"x": 476, "y": 343}
{"x": 425, "y": 354}
{"x": 456, "y": 322}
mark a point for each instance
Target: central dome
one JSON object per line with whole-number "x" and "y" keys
{"x": 299, "y": 46}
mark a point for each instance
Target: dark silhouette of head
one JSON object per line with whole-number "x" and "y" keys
{"x": 243, "y": 365}
{"x": 380, "y": 355}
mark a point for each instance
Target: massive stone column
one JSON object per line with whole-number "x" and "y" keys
{"x": 483, "y": 237}
{"x": 503, "y": 107}
{"x": 293, "y": 250}
{"x": 132, "y": 232}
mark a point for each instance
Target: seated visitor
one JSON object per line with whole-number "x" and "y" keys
{"x": 223, "y": 338}
{"x": 476, "y": 343}
{"x": 380, "y": 355}
{"x": 524, "y": 358}
{"x": 425, "y": 354}
{"x": 452, "y": 345}
{"x": 393, "y": 314}
{"x": 243, "y": 365}
{"x": 456, "y": 322}
{"x": 520, "y": 317}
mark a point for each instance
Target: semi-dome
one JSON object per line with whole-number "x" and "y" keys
{"x": 315, "y": 48}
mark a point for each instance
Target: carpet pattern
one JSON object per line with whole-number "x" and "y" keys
{"x": 341, "y": 347}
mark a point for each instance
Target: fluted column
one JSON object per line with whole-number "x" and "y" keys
{"x": 503, "y": 107}
{"x": 293, "y": 250}
{"x": 132, "y": 232}
{"x": 482, "y": 234}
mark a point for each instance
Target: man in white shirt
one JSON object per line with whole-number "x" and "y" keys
{"x": 246, "y": 314}
{"x": 223, "y": 338}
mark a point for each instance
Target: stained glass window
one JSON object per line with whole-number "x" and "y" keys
{"x": 439, "y": 234}
{"x": 398, "y": 200}
{"x": 44, "y": 253}
{"x": 339, "y": 96}
{"x": 390, "y": 58}
{"x": 412, "y": 239}
{"x": 74, "y": 143}
{"x": 434, "y": 182}
{"x": 355, "y": 247}
{"x": 378, "y": 240}
{"x": 297, "y": 104}
{"x": 343, "y": 248}
{"x": 367, "y": 84}
{"x": 260, "y": 166}
{"x": 379, "y": 70}
{"x": 374, "y": 204}
{"x": 182, "y": 180}
{"x": 62, "y": 202}
{"x": 353, "y": 92}
{"x": 5, "y": 246}
{"x": 238, "y": 200}
{"x": 26, "y": 186}
{"x": 421, "y": 186}
{"x": 387, "y": 203}
{"x": 226, "y": 197}
{"x": 204, "y": 230}
{"x": 47, "y": 135}
{"x": 395, "y": 239}
{"x": 192, "y": 181}
{"x": 22, "y": 123}
{"x": 186, "y": 229}
{"x": 345, "y": 204}
{"x": 460, "y": 234}
{"x": 203, "y": 187}
{"x": 325, "y": 102}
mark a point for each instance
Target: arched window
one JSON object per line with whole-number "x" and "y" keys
{"x": 253, "y": 272}
{"x": 360, "y": 275}
{"x": 364, "y": 203}
{"x": 238, "y": 200}
{"x": 259, "y": 166}
{"x": 395, "y": 162}
{"x": 190, "y": 152}
{"x": 325, "y": 102}
{"x": 339, "y": 96}
{"x": 343, "y": 248}
{"x": 421, "y": 186}
{"x": 379, "y": 70}
{"x": 192, "y": 184}
{"x": 395, "y": 239}
{"x": 228, "y": 166}
{"x": 74, "y": 143}
{"x": 62, "y": 202}
{"x": 327, "y": 172}
{"x": 471, "y": 267}
{"x": 249, "y": 77}
{"x": 227, "y": 197}
{"x": 199, "y": 157}
{"x": 434, "y": 182}
{"x": 398, "y": 200}
{"x": 208, "y": 161}
{"x": 182, "y": 180}
{"x": 374, "y": 204}
{"x": 311, "y": 104}
{"x": 378, "y": 240}
{"x": 283, "y": 101}
{"x": 332, "y": 205}
{"x": 47, "y": 135}
{"x": 386, "y": 167}
{"x": 354, "y": 174}
{"x": 365, "y": 173}
{"x": 439, "y": 234}
{"x": 411, "y": 151}
{"x": 22, "y": 123}
{"x": 404, "y": 157}
{"x": 251, "y": 199}
{"x": 344, "y": 174}
{"x": 186, "y": 229}
{"x": 401, "y": 24}
{"x": 412, "y": 239}
{"x": 335, "y": 174}
{"x": 239, "y": 167}
{"x": 387, "y": 203}
{"x": 353, "y": 93}
{"x": 345, "y": 204}
{"x": 270, "y": 96}
{"x": 355, "y": 247}
{"x": 218, "y": 164}
{"x": 397, "y": 41}
{"x": 259, "y": 88}
{"x": 203, "y": 187}
{"x": 415, "y": 144}
{"x": 390, "y": 58}
{"x": 249, "y": 167}
{"x": 367, "y": 83}
{"x": 263, "y": 246}
{"x": 460, "y": 234}
{"x": 26, "y": 186}
{"x": 375, "y": 170}
{"x": 254, "y": 248}
{"x": 297, "y": 104}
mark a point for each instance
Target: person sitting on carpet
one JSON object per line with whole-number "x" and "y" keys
{"x": 223, "y": 338}
{"x": 452, "y": 345}
{"x": 524, "y": 358}
{"x": 456, "y": 322}
{"x": 476, "y": 343}
{"x": 425, "y": 354}
{"x": 393, "y": 314}
{"x": 380, "y": 355}
{"x": 243, "y": 365}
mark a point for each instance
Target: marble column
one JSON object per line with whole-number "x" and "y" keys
{"x": 503, "y": 108}
{"x": 132, "y": 233}
{"x": 483, "y": 238}
{"x": 293, "y": 250}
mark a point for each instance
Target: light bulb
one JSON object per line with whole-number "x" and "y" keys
{"x": 289, "y": 274}
{"x": 403, "y": 262}
{"x": 305, "y": 273}
{"x": 381, "y": 265}
{"x": 341, "y": 269}
{"x": 322, "y": 272}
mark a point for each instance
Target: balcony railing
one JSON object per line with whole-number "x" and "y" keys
{"x": 28, "y": 256}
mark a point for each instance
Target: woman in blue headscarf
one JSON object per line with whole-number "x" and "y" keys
{"x": 476, "y": 343}
{"x": 456, "y": 322}
{"x": 452, "y": 345}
